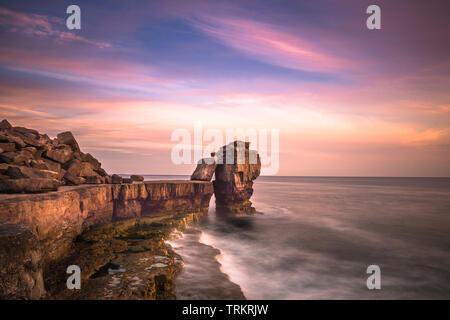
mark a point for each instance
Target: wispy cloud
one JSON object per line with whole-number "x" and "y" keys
{"x": 267, "y": 43}
{"x": 37, "y": 25}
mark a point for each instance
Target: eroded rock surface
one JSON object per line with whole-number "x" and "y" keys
{"x": 235, "y": 167}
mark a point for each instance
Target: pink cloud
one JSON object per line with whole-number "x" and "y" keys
{"x": 41, "y": 26}
{"x": 267, "y": 43}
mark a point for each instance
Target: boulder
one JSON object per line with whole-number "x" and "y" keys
{"x": 40, "y": 164}
{"x": 137, "y": 178}
{"x": 101, "y": 172}
{"x": 81, "y": 169}
{"x": 17, "y": 157}
{"x": 89, "y": 158}
{"x": 71, "y": 179}
{"x": 7, "y": 146}
{"x": 4, "y": 125}
{"x": 52, "y": 165}
{"x": 68, "y": 139}
{"x": 94, "y": 180}
{"x": 205, "y": 169}
{"x": 16, "y": 140}
{"x": 60, "y": 153}
{"x": 116, "y": 179}
{"x": 19, "y": 172}
{"x": 127, "y": 180}
{"x": 28, "y": 185}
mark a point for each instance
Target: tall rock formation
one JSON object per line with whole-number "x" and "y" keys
{"x": 235, "y": 167}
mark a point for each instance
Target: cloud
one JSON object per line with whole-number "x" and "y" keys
{"x": 267, "y": 43}
{"x": 37, "y": 25}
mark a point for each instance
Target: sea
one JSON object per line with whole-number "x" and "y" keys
{"x": 315, "y": 238}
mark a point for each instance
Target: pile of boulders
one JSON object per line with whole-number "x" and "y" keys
{"x": 32, "y": 162}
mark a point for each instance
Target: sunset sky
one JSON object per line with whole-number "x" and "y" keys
{"x": 347, "y": 101}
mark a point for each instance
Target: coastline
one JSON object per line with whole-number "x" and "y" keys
{"x": 201, "y": 268}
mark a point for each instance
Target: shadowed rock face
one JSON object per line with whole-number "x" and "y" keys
{"x": 235, "y": 167}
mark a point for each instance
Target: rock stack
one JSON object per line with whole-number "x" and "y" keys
{"x": 32, "y": 162}
{"x": 235, "y": 167}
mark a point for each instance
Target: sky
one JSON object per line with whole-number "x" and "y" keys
{"x": 345, "y": 100}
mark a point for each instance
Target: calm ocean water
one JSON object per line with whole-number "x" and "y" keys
{"x": 317, "y": 236}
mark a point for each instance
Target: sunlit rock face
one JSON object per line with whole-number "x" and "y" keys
{"x": 237, "y": 167}
{"x": 38, "y": 230}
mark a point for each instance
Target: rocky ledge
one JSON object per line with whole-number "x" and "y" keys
{"x": 38, "y": 231}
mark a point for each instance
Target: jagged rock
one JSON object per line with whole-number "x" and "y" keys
{"x": 27, "y": 154}
{"x": 20, "y": 172}
{"x": 52, "y": 165}
{"x": 60, "y": 153}
{"x": 68, "y": 139}
{"x": 102, "y": 172}
{"x": 116, "y": 179}
{"x": 39, "y": 164}
{"x": 94, "y": 180}
{"x": 137, "y": 178}
{"x": 16, "y": 157}
{"x": 81, "y": 169}
{"x": 71, "y": 179}
{"x": 108, "y": 179}
{"x": 205, "y": 169}
{"x": 4, "y": 125}
{"x": 89, "y": 158}
{"x": 28, "y": 185}
{"x": 7, "y": 146}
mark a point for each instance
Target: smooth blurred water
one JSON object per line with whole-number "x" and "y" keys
{"x": 317, "y": 236}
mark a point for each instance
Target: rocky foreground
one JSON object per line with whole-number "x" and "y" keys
{"x": 59, "y": 207}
